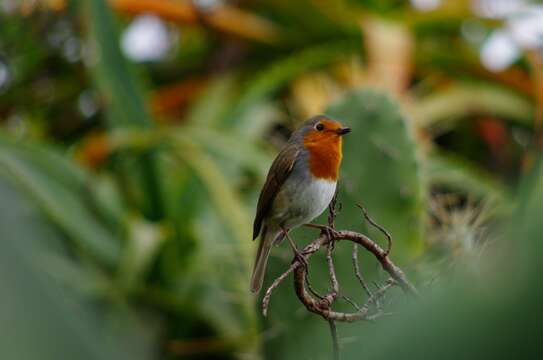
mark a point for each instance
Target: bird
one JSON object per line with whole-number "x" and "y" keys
{"x": 300, "y": 185}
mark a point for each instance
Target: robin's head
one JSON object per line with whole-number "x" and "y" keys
{"x": 323, "y": 130}
{"x": 321, "y": 136}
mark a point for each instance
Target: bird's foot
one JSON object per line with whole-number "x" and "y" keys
{"x": 297, "y": 253}
{"x": 325, "y": 229}
{"x": 300, "y": 257}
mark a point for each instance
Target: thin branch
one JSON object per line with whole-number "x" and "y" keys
{"x": 378, "y": 227}
{"x": 331, "y": 269}
{"x": 350, "y": 301}
{"x": 377, "y": 315}
{"x": 335, "y": 342}
{"x": 357, "y": 272}
{"x": 308, "y": 250}
{"x": 382, "y": 256}
{"x": 274, "y": 285}
{"x": 310, "y": 287}
{"x": 323, "y": 306}
{"x": 380, "y": 293}
{"x": 297, "y": 253}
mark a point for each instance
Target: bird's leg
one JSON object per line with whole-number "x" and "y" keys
{"x": 299, "y": 256}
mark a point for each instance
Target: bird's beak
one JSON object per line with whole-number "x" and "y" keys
{"x": 343, "y": 130}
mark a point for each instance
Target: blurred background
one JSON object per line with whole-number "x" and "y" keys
{"x": 136, "y": 134}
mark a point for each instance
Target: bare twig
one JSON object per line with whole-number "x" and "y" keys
{"x": 380, "y": 293}
{"x": 331, "y": 269}
{"x": 297, "y": 253}
{"x": 323, "y": 306}
{"x": 335, "y": 342}
{"x": 308, "y": 250}
{"x": 357, "y": 272}
{"x": 275, "y": 284}
{"x": 382, "y": 256}
{"x": 350, "y": 301}
{"x": 378, "y": 227}
{"x": 310, "y": 287}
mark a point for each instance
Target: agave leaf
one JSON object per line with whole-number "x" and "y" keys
{"x": 457, "y": 173}
{"x": 144, "y": 242}
{"x": 209, "y": 109}
{"x": 222, "y": 194}
{"x": 269, "y": 80}
{"x": 126, "y": 103}
{"x": 49, "y": 157}
{"x": 116, "y": 82}
{"x": 215, "y": 281}
{"x": 64, "y": 206}
{"x": 220, "y": 279}
{"x": 458, "y": 101}
{"x": 228, "y": 145}
{"x": 59, "y": 323}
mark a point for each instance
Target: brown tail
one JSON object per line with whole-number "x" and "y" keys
{"x": 259, "y": 270}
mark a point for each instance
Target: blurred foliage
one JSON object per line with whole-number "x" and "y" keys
{"x": 491, "y": 313}
{"x": 127, "y": 188}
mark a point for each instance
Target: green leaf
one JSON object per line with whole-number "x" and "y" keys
{"x": 456, "y": 102}
{"x": 56, "y": 321}
{"x": 126, "y": 103}
{"x": 51, "y": 159}
{"x": 144, "y": 241}
{"x": 209, "y": 109}
{"x": 227, "y": 145}
{"x": 215, "y": 281}
{"x": 277, "y": 75}
{"x": 31, "y": 171}
{"x": 218, "y": 282}
{"x": 117, "y": 83}
{"x": 224, "y": 197}
{"x": 457, "y": 173}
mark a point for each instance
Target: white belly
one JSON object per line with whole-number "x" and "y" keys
{"x": 301, "y": 202}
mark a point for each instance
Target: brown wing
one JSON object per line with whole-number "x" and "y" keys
{"x": 278, "y": 173}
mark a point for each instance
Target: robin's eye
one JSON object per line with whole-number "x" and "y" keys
{"x": 319, "y": 127}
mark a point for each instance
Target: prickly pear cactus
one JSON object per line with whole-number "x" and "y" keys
{"x": 380, "y": 170}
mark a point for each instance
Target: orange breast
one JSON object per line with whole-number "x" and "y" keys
{"x": 324, "y": 155}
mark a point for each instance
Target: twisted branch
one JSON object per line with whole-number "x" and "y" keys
{"x": 322, "y": 305}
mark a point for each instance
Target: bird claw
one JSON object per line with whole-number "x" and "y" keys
{"x": 298, "y": 256}
{"x": 315, "y": 226}
{"x": 325, "y": 229}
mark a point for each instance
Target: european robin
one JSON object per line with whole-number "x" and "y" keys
{"x": 300, "y": 184}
